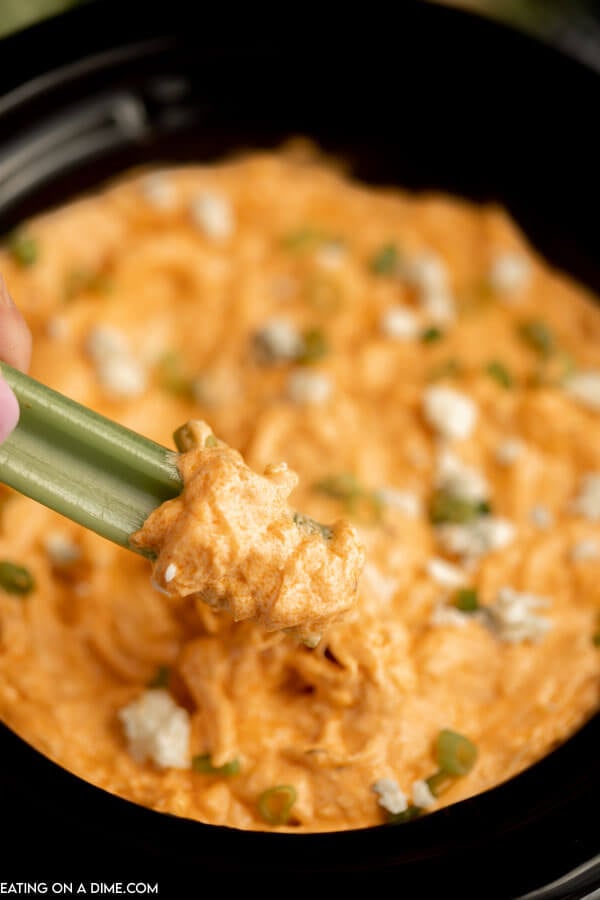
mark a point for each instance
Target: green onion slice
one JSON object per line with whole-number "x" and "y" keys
{"x": 79, "y": 280}
{"x": 344, "y": 487}
{"x": 411, "y": 812}
{"x": 172, "y": 376}
{"x": 385, "y": 261}
{"x": 275, "y": 804}
{"x": 202, "y": 763}
{"x": 23, "y": 248}
{"x": 538, "y": 336}
{"x": 448, "y": 368}
{"x": 314, "y": 347}
{"x": 311, "y": 526}
{"x": 185, "y": 439}
{"x": 446, "y": 507}
{"x": 431, "y": 335}
{"x": 553, "y": 371}
{"x": 356, "y": 499}
{"x": 439, "y": 782}
{"x": 466, "y": 599}
{"x": 304, "y": 238}
{"x": 16, "y": 579}
{"x": 161, "y": 678}
{"x": 498, "y": 371}
{"x": 456, "y": 754}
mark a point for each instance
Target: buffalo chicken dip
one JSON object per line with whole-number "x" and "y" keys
{"x": 436, "y": 386}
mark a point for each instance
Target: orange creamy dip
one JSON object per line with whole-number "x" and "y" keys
{"x": 232, "y": 541}
{"x": 429, "y": 377}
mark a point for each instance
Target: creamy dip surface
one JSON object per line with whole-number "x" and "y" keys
{"x": 431, "y": 380}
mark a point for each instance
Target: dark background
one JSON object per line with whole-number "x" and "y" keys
{"x": 419, "y": 99}
{"x": 573, "y": 25}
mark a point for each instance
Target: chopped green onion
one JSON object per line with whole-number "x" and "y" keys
{"x": 171, "y": 375}
{"x": 385, "y": 261}
{"x": 202, "y": 763}
{"x": 537, "y": 335}
{"x": 311, "y": 526}
{"x": 411, "y": 812}
{"x": 161, "y": 678}
{"x": 185, "y": 438}
{"x": 439, "y": 782}
{"x": 314, "y": 346}
{"x": 552, "y": 372}
{"x": 311, "y": 640}
{"x": 466, "y": 600}
{"x": 23, "y": 248}
{"x": 304, "y": 238}
{"x": 79, "y": 280}
{"x": 449, "y": 368}
{"x": 431, "y": 335}
{"x": 498, "y": 371}
{"x": 456, "y": 754}
{"x": 566, "y": 365}
{"x": 446, "y": 507}
{"x": 346, "y": 487}
{"x": 16, "y": 579}
{"x": 275, "y": 804}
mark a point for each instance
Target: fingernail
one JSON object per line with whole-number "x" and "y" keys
{"x": 9, "y": 410}
{"x": 5, "y": 298}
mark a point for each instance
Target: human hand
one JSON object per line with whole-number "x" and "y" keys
{"x": 15, "y": 349}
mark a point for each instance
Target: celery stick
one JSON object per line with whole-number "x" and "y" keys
{"x": 81, "y": 464}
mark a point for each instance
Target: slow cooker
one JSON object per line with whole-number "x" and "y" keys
{"x": 417, "y": 95}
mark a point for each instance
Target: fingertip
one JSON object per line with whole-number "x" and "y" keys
{"x": 9, "y": 410}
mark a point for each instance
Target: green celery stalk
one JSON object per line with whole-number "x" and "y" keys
{"x": 82, "y": 465}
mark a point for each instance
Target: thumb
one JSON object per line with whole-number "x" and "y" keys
{"x": 9, "y": 410}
